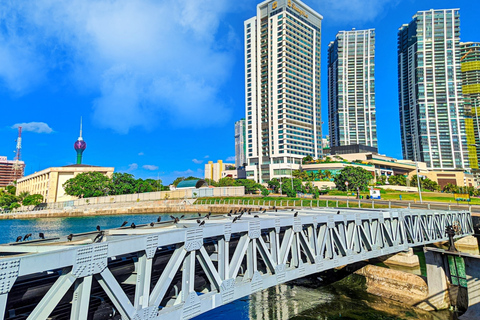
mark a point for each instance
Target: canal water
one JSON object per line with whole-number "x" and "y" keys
{"x": 304, "y": 299}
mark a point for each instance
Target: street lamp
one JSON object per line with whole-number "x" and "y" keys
{"x": 416, "y": 165}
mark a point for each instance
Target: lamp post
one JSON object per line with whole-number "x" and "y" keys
{"x": 416, "y": 166}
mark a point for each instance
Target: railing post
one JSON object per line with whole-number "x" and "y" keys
{"x": 409, "y": 205}
{"x": 359, "y": 205}
{"x": 373, "y": 204}
{"x": 389, "y": 204}
{"x": 347, "y": 203}
{"x": 428, "y": 206}
{"x": 337, "y": 204}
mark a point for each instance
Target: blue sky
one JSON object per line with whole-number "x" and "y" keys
{"x": 160, "y": 83}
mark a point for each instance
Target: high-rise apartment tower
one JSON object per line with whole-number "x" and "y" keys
{"x": 470, "y": 65}
{"x": 432, "y": 116}
{"x": 282, "y": 81}
{"x": 240, "y": 146}
{"x": 351, "y": 88}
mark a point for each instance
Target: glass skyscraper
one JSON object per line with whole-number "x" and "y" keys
{"x": 240, "y": 146}
{"x": 470, "y": 65}
{"x": 432, "y": 115}
{"x": 282, "y": 81}
{"x": 351, "y": 88}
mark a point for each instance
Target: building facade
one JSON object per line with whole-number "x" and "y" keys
{"x": 282, "y": 81}
{"x": 213, "y": 171}
{"x": 240, "y": 145}
{"x": 351, "y": 89}
{"x": 49, "y": 182}
{"x": 432, "y": 115}
{"x": 10, "y": 171}
{"x": 470, "y": 65}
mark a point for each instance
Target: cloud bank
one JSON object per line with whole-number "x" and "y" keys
{"x": 37, "y": 127}
{"x": 145, "y": 59}
{"x": 150, "y": 167}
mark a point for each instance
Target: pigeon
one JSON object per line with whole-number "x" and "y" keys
{"x": 229, "y": 214}
{"x": 264, "y": 211}
{"x": 256, "y": 216}
{"x": 152, "y": 224}
{"x": 235, "y": 212}
{"x": 293, "y": 209}
{"x": 133, "y": 226}
{"x": 70, "y": 237}
{"x": 98, "y": 237}
{"x": 235, "y": 219}
{"x": 295, "y": 214}
{"x": 260, "y": 209}
{"x": 175, "y": 219}
{"x": 231, "y": 211}
{"x": 199, "y": 214}
{"x": 201, "y": 223}
{"x": 159, "y": 219}
{"x": 19, "y": 238}
{"x": 41, "y": 235}
{"x": 198, "y": 220}
{"x": 98, "y": 228}
{"x": 124, "y": 224}
{"x": 338, "y": 212}
{"x": 182, "y": 216}
{"x": 276, "y": 210}
{"x": 28, "y": 235}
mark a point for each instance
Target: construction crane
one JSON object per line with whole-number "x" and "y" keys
{"x": 466, "y": 54}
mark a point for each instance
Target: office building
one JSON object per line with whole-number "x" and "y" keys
{"x": 351, "y": 89}
{"x": 282, "y": 81}
{"x": 240, "y": 145}
{"x": 432, "y": 115}
{"x": 470, "y": 66}
{"x": 10, "y": 171}
{"x": 49, "y": 182}
{"x": 213, "y": 171}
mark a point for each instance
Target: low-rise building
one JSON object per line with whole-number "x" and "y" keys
{"x": 49, "y": 182}
{"x": 213, "y": 171}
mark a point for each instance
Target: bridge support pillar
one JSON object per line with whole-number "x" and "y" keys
{"x": 438, "y": 297}
{"x": 472, "y": 269}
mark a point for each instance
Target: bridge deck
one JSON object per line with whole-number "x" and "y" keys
{"x": 183, "y": 269}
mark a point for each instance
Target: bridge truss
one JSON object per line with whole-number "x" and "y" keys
{"x": 178, "y": 271}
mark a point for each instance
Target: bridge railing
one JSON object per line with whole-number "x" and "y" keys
{"x": 178, "y": 271}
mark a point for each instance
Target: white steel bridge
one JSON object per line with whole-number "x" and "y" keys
{"x": 179, "y": 270}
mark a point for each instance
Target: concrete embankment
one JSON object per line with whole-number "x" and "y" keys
{"x": 395, "y": 285}
{"x": 121, "y": 209}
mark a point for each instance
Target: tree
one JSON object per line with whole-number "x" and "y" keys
{"x": 87, "y": 184}
{"x": 399, "y": 180}
{"x": 226, "y": 182}
{"x": 7, "y": 199}
{"x": 274, "y": 184}
{"x": 121, "y": 183}
{"x": 357, "y": 177}
{"x": 32, "y": 200}
{"x": 264, "y": 191}
{"x": 211, "y": 182}
{"x": 430, "y": 185}
{"x": 381, "y": 180}
{"x": 250, "y": 185}
{"x": 450, "y": 188}
{"x": 11, "y": 189}
{"x": 287, "y": 189}
{"x": 307, "y": 159}
{"x": 23, "y": 195}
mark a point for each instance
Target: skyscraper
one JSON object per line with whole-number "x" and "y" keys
{"x": 470, "y": 65}
{"x": 282, "y": 81}
{"x": 240, "y": 146}
{"x": 432, "y": 117}
{"x": 351, "y": 88}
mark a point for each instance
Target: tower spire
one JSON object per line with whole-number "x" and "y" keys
{"x": 80, "y": 145}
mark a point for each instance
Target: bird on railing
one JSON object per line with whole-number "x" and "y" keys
{"x": 182, "y": 216}
{"x": 175, "y": 219}
{"x": 124, "y": 224}
{"x": 201, "y": 223}
{"x": 19, "y": 238}
{"x": 229, "y": 214}
{"x": 152, "y": 224}
{"x": 338, "y": 212}
{"x": 41, "y": 235}
{"x": 208, "y": 215}
{"x": 28, "y": 235}
{"x": 199, "y": 214}
{"x": 265, "y": 210}
{"x": 295, "y": 214}
{"x": 99, "y": 237}
{"x": 70, "y": 237}
{"x": 260, "y": 209}
{"x": 256, "y": 216}
{"x": 292, "y": 209}
{"x": 231, "y": 211}
{"x": 133, "y": 226}
{"x": 235, "y": 219}
{"x": 159, "y": 218}
{"x": 98, "y": 228}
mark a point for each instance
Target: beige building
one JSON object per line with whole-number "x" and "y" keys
{"x": 457, "y": 178}
{"x": 49, "y": 182}
{"x": 213, "y": 171}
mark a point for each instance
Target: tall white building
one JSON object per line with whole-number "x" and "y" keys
{"x": 432, "y": 115}
{"x": 282, "y": 81}
{"x": 351, "y": 89}
{"x": 240, "y": 145}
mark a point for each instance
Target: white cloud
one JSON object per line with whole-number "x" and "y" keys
{"x": 232, "y": 158}
{"x": 132, "y": 167}
{"x": 342, "y": 11}
{"x": 146, "y": 59}
{"x": 37, "y": 127}
{"x": 197, "y": 161}
{"x": 207, "y": 156}
{"x": 150, "y": 167}
{"x": 141, "y": 153}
